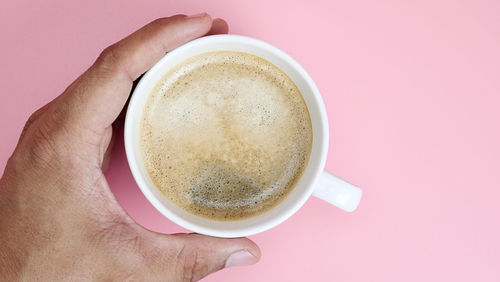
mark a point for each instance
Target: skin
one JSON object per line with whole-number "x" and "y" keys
{"x": 58, "y": 217}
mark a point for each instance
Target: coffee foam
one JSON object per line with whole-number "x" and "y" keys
{"x": 225, "y": 135}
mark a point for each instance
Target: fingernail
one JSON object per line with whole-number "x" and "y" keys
{"x": 197, "y": 15}
{"x": 240, "y": 258}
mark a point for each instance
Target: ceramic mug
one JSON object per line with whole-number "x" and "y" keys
{"x": 314, "y": 181}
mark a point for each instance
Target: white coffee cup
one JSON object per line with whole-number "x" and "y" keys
{"x": 314, "y": 180}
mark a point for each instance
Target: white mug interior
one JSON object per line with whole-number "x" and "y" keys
{"x": 304, "y": 186}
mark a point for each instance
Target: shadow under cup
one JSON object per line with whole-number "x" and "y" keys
{"x": 304, "y": 186}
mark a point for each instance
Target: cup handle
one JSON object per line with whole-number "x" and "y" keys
{"x": 338, "y": 192}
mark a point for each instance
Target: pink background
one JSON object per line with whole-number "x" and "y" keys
{"x": 412, "y": 89}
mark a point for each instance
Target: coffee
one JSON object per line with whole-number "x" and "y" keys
{"x": 225, "y": 135}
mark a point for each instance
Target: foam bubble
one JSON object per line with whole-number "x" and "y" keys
{"x": 225, "y": 135}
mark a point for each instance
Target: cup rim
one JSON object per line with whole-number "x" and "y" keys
{"x": 144, "y": 187}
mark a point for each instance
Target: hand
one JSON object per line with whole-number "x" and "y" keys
{"x": 58, "y": 217}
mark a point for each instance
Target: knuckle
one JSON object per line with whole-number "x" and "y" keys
{"x": 191, "y": 264}
{"x": 39, "y": 143}
{"x": 158, "y": 21}
{"x": 36, "y": 153}
{"x": 32, "y": 118}
{"x": 42, "y": 145}
{"x": 113, "y": 62}
{"x": 116, "y": 232}
{"x": 165, "y": 20}
{"x": 108, "y": 58}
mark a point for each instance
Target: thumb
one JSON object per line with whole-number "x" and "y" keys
{"x": 194, "y": 256}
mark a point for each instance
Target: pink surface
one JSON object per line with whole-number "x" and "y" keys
{"x": 413, "y": 95}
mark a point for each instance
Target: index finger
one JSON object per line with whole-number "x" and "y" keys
{"x": 98, "y": 95}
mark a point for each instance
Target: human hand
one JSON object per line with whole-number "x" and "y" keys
{"x": 58, "y": 217}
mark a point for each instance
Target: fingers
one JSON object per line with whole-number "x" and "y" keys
{"x": 97, "y": 97}
{"x": 136, "y": 53}
{"x": 219, "y": 26}
{"x": 196, "y": 255}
